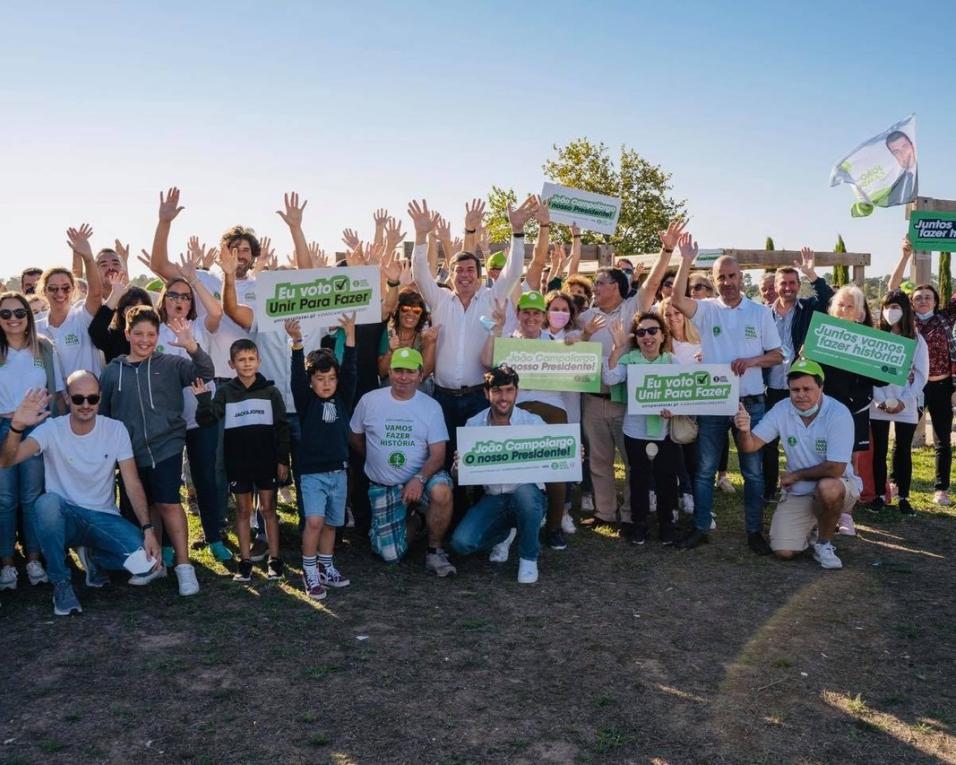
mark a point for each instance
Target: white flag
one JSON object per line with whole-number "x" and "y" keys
{"x": 882, "y": 170}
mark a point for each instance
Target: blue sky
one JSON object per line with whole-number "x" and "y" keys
{"x": 368, "y": 104}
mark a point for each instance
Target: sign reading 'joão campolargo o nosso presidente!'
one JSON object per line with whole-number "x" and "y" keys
{"x": 519, "y": 454}
{"x": 592, "y": 212}
{"x": 317, "y": 296}
{"x": 858, "y": 348}
{"x": 552, "y": 365}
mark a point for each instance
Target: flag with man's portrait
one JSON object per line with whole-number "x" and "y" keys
{"x": 882, "y": 171}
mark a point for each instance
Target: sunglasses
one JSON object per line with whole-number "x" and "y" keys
{"x": 415, "y": 309}
{"x": 179, "y": 297}
{"x": 64, "y": 289}
{"x": 6, "y": 313}
{"x": 92, "y": 399}
{"x": 641, "y": 331}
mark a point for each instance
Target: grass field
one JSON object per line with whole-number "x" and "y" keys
{"x": 618, "y": 654}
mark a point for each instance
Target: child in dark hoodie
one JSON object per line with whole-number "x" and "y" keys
{"x": 324, "y": 392}
{"x": 256, "y": 447}
{"x": 144, "y": 390}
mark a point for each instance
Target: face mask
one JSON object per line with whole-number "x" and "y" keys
{"x": 558, "y": 319}
{"x": 892, "y": 315}
{"x": 923, "y": 316}
{"x": 807, "y": 412}
{"x": 581, "y": 302}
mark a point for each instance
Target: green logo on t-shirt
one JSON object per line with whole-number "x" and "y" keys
{"x": 396, "y": 459}
{"x": 716, "y": 331}
{"x": 71, "y": 339}
{"x": 821, "y": 445}
{"x": 160, "y": 349}
{"x": 750, "y": 333}
{"x": 792, "y": 440}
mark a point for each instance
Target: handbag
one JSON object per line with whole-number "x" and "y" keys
{"x": 683, "y": 429}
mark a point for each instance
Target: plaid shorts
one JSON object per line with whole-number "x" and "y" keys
{"x": 388, "y": 533}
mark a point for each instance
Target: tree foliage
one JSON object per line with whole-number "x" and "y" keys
{"x": 945, "y": 277}
{"x": 841, "y": 274}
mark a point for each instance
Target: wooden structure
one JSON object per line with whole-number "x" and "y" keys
{"x": 921, "y": 269}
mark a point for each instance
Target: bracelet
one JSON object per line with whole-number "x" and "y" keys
{"x": 470, "y": 230}
{"x": 16, "y": 430}
{"x": 544, "y": 225}
{"x": 668, "y": 251}
{"x": 518, "y": 236}
{"x": 146, "y": 527}
{"x": 390, "y": 283}
{"x": 576, "y": 236}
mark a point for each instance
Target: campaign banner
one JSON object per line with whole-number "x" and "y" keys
{"x": 519, "y": 454}
{"x": 682, "y": 389}
{"x": 933, "y": 231}
{"x": 317, "y": 296}
{"x": 707, "y": 257}
{"x": 592, "y": 212}
{"x": 551, "y": 364}
{"x": 858, "y": 348}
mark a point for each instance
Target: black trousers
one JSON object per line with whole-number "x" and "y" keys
{"x": 664, "y": 469}
{"x": 940, "y": 405}
{"x": 902, "y": 455}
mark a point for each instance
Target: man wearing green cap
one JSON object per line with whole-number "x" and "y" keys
{"x": 816, "y": 433}
{"x": 402, "y": 434}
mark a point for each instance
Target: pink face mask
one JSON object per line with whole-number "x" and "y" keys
{"x": 558, "y": 319}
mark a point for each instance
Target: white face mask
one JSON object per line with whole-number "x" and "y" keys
{"x": 892, "y": 315}
{"x": 924, "y": 316}
{"x": 807, "y": 412}
{"x": 558, "y": 319}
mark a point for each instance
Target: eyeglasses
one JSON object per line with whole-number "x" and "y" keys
{"x": 698, "y": 287}
{"x": 179, "y": 297}
{"x": 415, "y": 309}
{"x": 64, "y": 289}
{"x": 641, "y": 331}
{"x": 93, "y": 399}
{"x": 6, "y": 313}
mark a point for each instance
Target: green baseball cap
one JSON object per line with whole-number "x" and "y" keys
{"x": 155, "y": 286}
{"x": 406, "y": 358}
{"x": 806, "y": 367}
{"x": 533, "y": 300}
{"x": 497, "y": 260}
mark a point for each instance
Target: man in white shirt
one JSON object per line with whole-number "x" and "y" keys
{"x": 816, "y": 432}
{"x": 491, "y": 523}
{"x": 401, "y": 434}
{"x": 737, "y": 331}
{"x": 80, "y": 454}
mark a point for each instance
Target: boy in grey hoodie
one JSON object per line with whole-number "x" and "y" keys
{"x": 144, "y": 390}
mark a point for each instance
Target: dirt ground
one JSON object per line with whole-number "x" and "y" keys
{"x": 619, "y": 654}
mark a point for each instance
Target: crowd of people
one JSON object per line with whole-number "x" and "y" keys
{"x": 104, "y": 387}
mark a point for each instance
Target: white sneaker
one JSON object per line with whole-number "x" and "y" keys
{"x": 713, "y": 522}
{"x": 845, "y": 526}
{"x": 567, "y": 524}
{"x": 141, "y": 580}
{"x": 825, "y": 555}
{"x": 188, "y": 584}
{"x": 725, "y": 485}
{"x": 8, "y": 578}
{"x": 587, "y": 503}
{"x": 439, "y": 563}
{"x": 499, "y": 553}
{"x": 894, "y": 492}
{"x": 941, "y": 498}
{"x": 527, "y": 571}
{"x": 687, "y": 504}
{"x": 36, "y": 573}
{"x": 652, "y": 500}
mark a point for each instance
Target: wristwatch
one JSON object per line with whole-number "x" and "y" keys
{"x": 422, "y": 478}
{"x": 146, "y": 527}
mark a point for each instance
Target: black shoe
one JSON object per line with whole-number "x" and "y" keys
{"x": 906, "y": 508}
{"x": 243, "y": 571}
{"x": 259, "y": 551}
{"x": 667, "y": 536}
{"x": 627, "y": 530}
{"x": 638, "y": 536}
{"x": 695, "y": 538}
{"x": 554, "y": 538}
{"x": 876, "y": 506}
{"x": 758, "y": 544}
{"x": 275, "y": 568}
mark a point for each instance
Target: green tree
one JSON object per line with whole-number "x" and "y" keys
{"x": 841, "y": 274}
{"x": 945, "y": 277}
{"x": 496, "y": 216}
{"x": 644, "y": 189}
{"x": 768, "y": 245}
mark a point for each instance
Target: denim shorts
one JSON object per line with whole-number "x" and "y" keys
{"x": 162, "y": 483}
{"x": 323, "y": 496}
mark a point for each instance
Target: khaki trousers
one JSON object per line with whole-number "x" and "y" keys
{"x": 602, "y": 420}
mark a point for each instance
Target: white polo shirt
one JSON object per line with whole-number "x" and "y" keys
{"x": 729, "y": 333}
{"x": 829, "y": 438}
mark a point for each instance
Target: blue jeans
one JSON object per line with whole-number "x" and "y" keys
{"x": 61, "y": 525}
{"x": 20, "y": 486}
{"x": 490, "y": 520}
{"x": 201, "y": 444}
{"x": 711, "y": 440}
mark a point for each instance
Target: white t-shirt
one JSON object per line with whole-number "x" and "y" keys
{"x": 728, "y": 333}
{"x": 685, "y": 352}
{"x": 165, "y": 345}
{"x": 828, "y": 438}
{"x": 20, "y": 372}
{"x": 72, "y": 341}
{"x": 81, "y": 468}
{"x": 397, "y": 434}
{"x": 275, "y": 357}
{"x": 228, "y": 332}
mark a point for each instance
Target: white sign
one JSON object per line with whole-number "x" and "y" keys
{"x": 592, "y": 212}
{"x": 519, "y": 454}
{"x": 707, "y": 257}
{"x": 682, "y": 389}
{"x": 317, "y": 296}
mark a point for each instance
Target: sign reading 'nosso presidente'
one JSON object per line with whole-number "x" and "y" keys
{"x": 519, "y": 454}
{"x": 317, "y": 296}
{"x": 593, "y": 212}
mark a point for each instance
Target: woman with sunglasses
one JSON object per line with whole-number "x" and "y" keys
{"x": 27, "y": 362}
{"x": 67, "y": 323}
{"x": 646, "y": 440}
{"x": 935, "y": 323}
{"x": 108, "y": 328}
{"x": 408, "y": 328}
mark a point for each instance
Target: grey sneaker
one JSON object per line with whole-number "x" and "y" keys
{"x": 95, "y": 576}
{"x": 64, "y": 600}
{"x": 439, "y": 563}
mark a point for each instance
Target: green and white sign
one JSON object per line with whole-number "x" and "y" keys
{"x": 551, "y": 364}
{"x": 514, "y": 454}
{"x": 934, "y": 231}
{"x": 707, "y": 258}
{"x": 682, "y": 389}
{"x": 317, "y": 296}
{"x": 858, "y": 348}
{"x": 592, "y": 212}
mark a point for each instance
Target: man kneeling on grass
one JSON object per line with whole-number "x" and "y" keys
{"x": 491, "y": 524}
{"x": 80, "y": 454}
{"x": 816, "y": 433}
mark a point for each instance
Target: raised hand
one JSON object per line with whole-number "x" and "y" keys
{"x": 457, "y": 245}
{"x": 374, "y": 253}
{"x": 474, "y": 211}
{"x": 422, "y": 219}
{"x": 688, "y": 248}
{"x": 619, "y": 333}
{"x": 521, "y": 215}
{"x": 484, "y": 241}
{"x": 595, "y": 325}
{"x": 32, "y": 410}
{"x": 671, "y": 237}
{"x": 347, "y": 322}
{"x": 575, "y": 230}
{"x": 187, "y": 268}
{"x": 198, "y": 387}
{"x": 267, "y": 260}
{"x": 559, "y": 257}
{"x": 317, "y": 256}
{"x": 391, "y": 267}
{"x": 228, "y": 261}
{"x": 380, "y": 216}
{"x": 430, "y": 334}
{"x": 184, "y": 334}
{"x": 393, "y": 234}
{"x": 500, "y": 314}
{"x": 293, "y": 210}
{"x": 542, "y": 212}
{"x": 293, "y": 330}
{"x": 442, "y": 228}
{"x": 118, "y": 282}
{"x": 209, "y": 258}
{"x": 356, "y": 257}
{"x": 406, "y": 277}
{"x": 197, "y": 251}
{"x": 350, "y": 238}
{"x": 805, "y": 264}
{"x": 79, "y": 240}
{"x": 122, "y": 250}
{"x": 742, "y": 419}
{"x": 907, "y": 246}
{"x": 145, "y": 260}
{"x": 169, "y": 205}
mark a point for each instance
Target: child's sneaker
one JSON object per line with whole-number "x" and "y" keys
{"x": 243, "y": 571}
{"x": 169, "y": 556}
{"x": 275, "y": 568}
{"x": 36, "y": 573}
{"x": 259, "y": 551}
{"x": 567, "y": 523}
{"x": 527, "y": 571}
{"x": 332, "y": 577}
{"x": 313, "y": 587}
{"x": 220, "y": 552}
{"x": 8, "y": 578}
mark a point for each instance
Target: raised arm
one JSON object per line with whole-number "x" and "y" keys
{"x": 212, "y": 306}
{"x": 688, "y": 253}
{"x": 473, "y": 216}
{"x": 488, "y": 349}
{"x": 243, "y": 315}
{"x": 539, "y": 257}
{"x": 79, "y": 241}
{"x": 31, "y": 411}
{"x": 159, "y": 261}
{"x": 896, "y": 278}
{"x": 424, "y": 222}
{"x": 293, "y": 219}
{"x": 574, "y": 265}
{"x": 511, "y": 273}
{"x": 669, "y": 240}
{"x": 380, "y": 216}
{"x": 822, "y": 292}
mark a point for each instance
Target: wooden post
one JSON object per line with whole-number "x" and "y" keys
{"x": 858, "y": 276}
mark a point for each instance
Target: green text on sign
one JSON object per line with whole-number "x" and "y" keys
{"x": 551, "y": 364}
{"x": 860, "y": 349}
